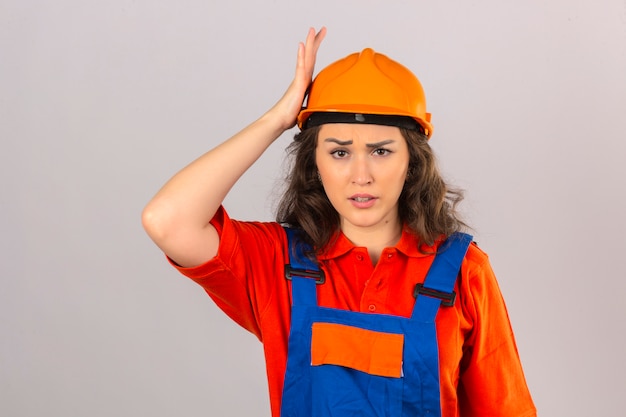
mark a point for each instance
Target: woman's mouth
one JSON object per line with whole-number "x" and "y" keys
{"x": 362, "y": 201}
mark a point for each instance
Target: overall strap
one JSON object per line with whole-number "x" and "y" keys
{"x": 438, "y": 287}
{"x": 303, "y": 272}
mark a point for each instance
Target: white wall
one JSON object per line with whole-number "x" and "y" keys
{"x": 102, "y": 101}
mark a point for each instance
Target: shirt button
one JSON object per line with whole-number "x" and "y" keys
{"x": 371, "y": 307}
{"x": 390, "y": 255}
{"x": 359, "y": 257}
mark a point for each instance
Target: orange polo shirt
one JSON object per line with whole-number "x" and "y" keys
{"x": 480, "y": 370}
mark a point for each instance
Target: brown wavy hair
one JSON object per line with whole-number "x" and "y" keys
{"x": 427, "y": 205}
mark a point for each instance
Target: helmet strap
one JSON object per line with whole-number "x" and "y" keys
{"x": 320, "y": 118}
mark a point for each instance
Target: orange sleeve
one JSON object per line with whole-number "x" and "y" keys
{"x": 241, "y": 277}
{"x": 492, "y": 381}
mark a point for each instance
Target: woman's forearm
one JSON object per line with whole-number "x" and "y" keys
{"x": 177, "y": 218}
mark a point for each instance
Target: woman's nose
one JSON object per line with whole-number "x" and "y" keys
{"x": 361, "y": 173}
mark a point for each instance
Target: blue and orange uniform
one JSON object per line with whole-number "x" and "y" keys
{"x": 365, "y": 317}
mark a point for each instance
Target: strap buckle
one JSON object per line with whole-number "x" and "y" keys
{"x": 319, "y": 276}
{"x": 447, "y": 298}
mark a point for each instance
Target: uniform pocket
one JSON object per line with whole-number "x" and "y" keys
{"x": 372, "y": 352}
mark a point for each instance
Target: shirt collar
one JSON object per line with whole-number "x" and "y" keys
{"x": 339, "y": 245}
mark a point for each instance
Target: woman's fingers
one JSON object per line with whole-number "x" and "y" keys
{"x": 307, "y": 53}
{"x": 290, "y": 104}
{"x": 313, "y": 42}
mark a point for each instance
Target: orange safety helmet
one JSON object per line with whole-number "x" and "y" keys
{"x": 367, "y": 83}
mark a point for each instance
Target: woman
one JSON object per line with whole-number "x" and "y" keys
{"x": 371, "y": 303}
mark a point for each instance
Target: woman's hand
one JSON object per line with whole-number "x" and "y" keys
{"x": 288, "y": 107}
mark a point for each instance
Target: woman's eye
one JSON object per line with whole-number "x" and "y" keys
{"x": 339, "y": 153}
{"x": 382, "y": 151}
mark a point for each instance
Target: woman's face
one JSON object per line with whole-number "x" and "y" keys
{"x": 363, "y": 169}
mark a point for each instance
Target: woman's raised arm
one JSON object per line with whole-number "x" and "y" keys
{"x": 178, "y": 217}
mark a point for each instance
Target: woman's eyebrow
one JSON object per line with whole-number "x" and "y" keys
{"x": 338, "y": 142}
{"x": 379, "y": 144}
{"x": 369, "y": 145}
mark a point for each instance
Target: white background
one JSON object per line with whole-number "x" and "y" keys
{"x": 102, "y": 101}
